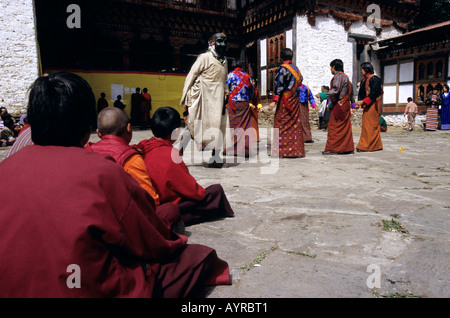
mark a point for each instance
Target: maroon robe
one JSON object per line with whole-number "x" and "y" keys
{"x": 121, "y": 151}
{"x": 340, "y": 136}
{"x": 81, "y": 208}
{"x": 173, "y": 182}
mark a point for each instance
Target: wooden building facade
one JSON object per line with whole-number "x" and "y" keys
{"x": 167, "y": 35}
{"x": 413, "y": 64}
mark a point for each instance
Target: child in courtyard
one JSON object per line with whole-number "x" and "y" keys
{"x": 171, "y": 177}
{"x": 411, "y": 110}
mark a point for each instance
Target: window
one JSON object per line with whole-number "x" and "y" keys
{"x": 390, "y": 74}
{"x": 407, "y": 72}
{"x": 263, "y": 50}
{"x": 420, "y": 93}
{"x": 405, "y": 91}
{"x": 430, "y": 73}
{"x": 231, "y": 4}
{"x": 263, "y": 82}
{"x": 390, "y": 94}
{"x": 430, "y": 69}
{"x": 276, "y": 44}
{"x": 398, "y": 83}
{"x": 421, "y": 71}
{"x": 439, "y": 68}
{"x": 289, "y": 39}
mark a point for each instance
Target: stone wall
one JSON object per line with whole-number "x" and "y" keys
{"x": 18, "y": 53}
{"x": 396, "y": 121}
{"x": 266, "y": 119}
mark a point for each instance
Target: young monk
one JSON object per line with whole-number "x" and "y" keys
{"x": 171, "y": 177}
{"x": 86, "y": 228}
{"x": 114, "y": 130}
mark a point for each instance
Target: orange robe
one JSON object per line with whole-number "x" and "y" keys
{"x": 135, "y": 167}
{"x": 371, "y": 93}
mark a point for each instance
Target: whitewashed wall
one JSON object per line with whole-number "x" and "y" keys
{"x": 317, "y": 46}
{"x": 18, "y": 53}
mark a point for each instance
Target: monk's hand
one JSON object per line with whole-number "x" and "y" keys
{"x": 271, "y": 106}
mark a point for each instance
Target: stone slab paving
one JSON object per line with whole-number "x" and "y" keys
{"x": 313, "y": 226}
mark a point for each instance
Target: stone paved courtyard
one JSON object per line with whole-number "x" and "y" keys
{"x": 329, "y": 226}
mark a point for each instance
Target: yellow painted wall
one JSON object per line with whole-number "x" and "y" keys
{"x": 165, "y": 89}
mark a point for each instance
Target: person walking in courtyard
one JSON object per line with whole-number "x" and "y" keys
{"x": 370, "y": 99}
{"x": 411, "y": 110}
{"x": 204, "y": 98}
{"x": 241, "y": 92}
{"x": 290, "y": 142}
{"x": 340, "y": 136}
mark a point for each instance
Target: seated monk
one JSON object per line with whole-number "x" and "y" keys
{"x": 171, "y": 177}
{"x": 114, "y": 130}
{"x": 86, "y": 228}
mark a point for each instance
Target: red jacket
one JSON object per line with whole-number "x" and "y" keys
{"x": 114, "y": 146}
{"x": 168, "y": 173}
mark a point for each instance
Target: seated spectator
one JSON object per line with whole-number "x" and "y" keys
{"x": 24, "y": 122}
{"x": 17, "y": 128}
{"x": 383, "y": 124}
{"x": 8, "y": 133}
{"x": 171, "y": 177}
{"x": 114, "y": 130}
{"x": 86, "y": 228}
{"x": 24, "y": 138}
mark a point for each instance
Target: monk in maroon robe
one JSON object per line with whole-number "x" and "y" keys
{"x": 170, "y": 175}
{"x": 86, "y": 228}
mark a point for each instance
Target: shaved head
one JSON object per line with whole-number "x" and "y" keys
{"x": 112, "y": 121}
